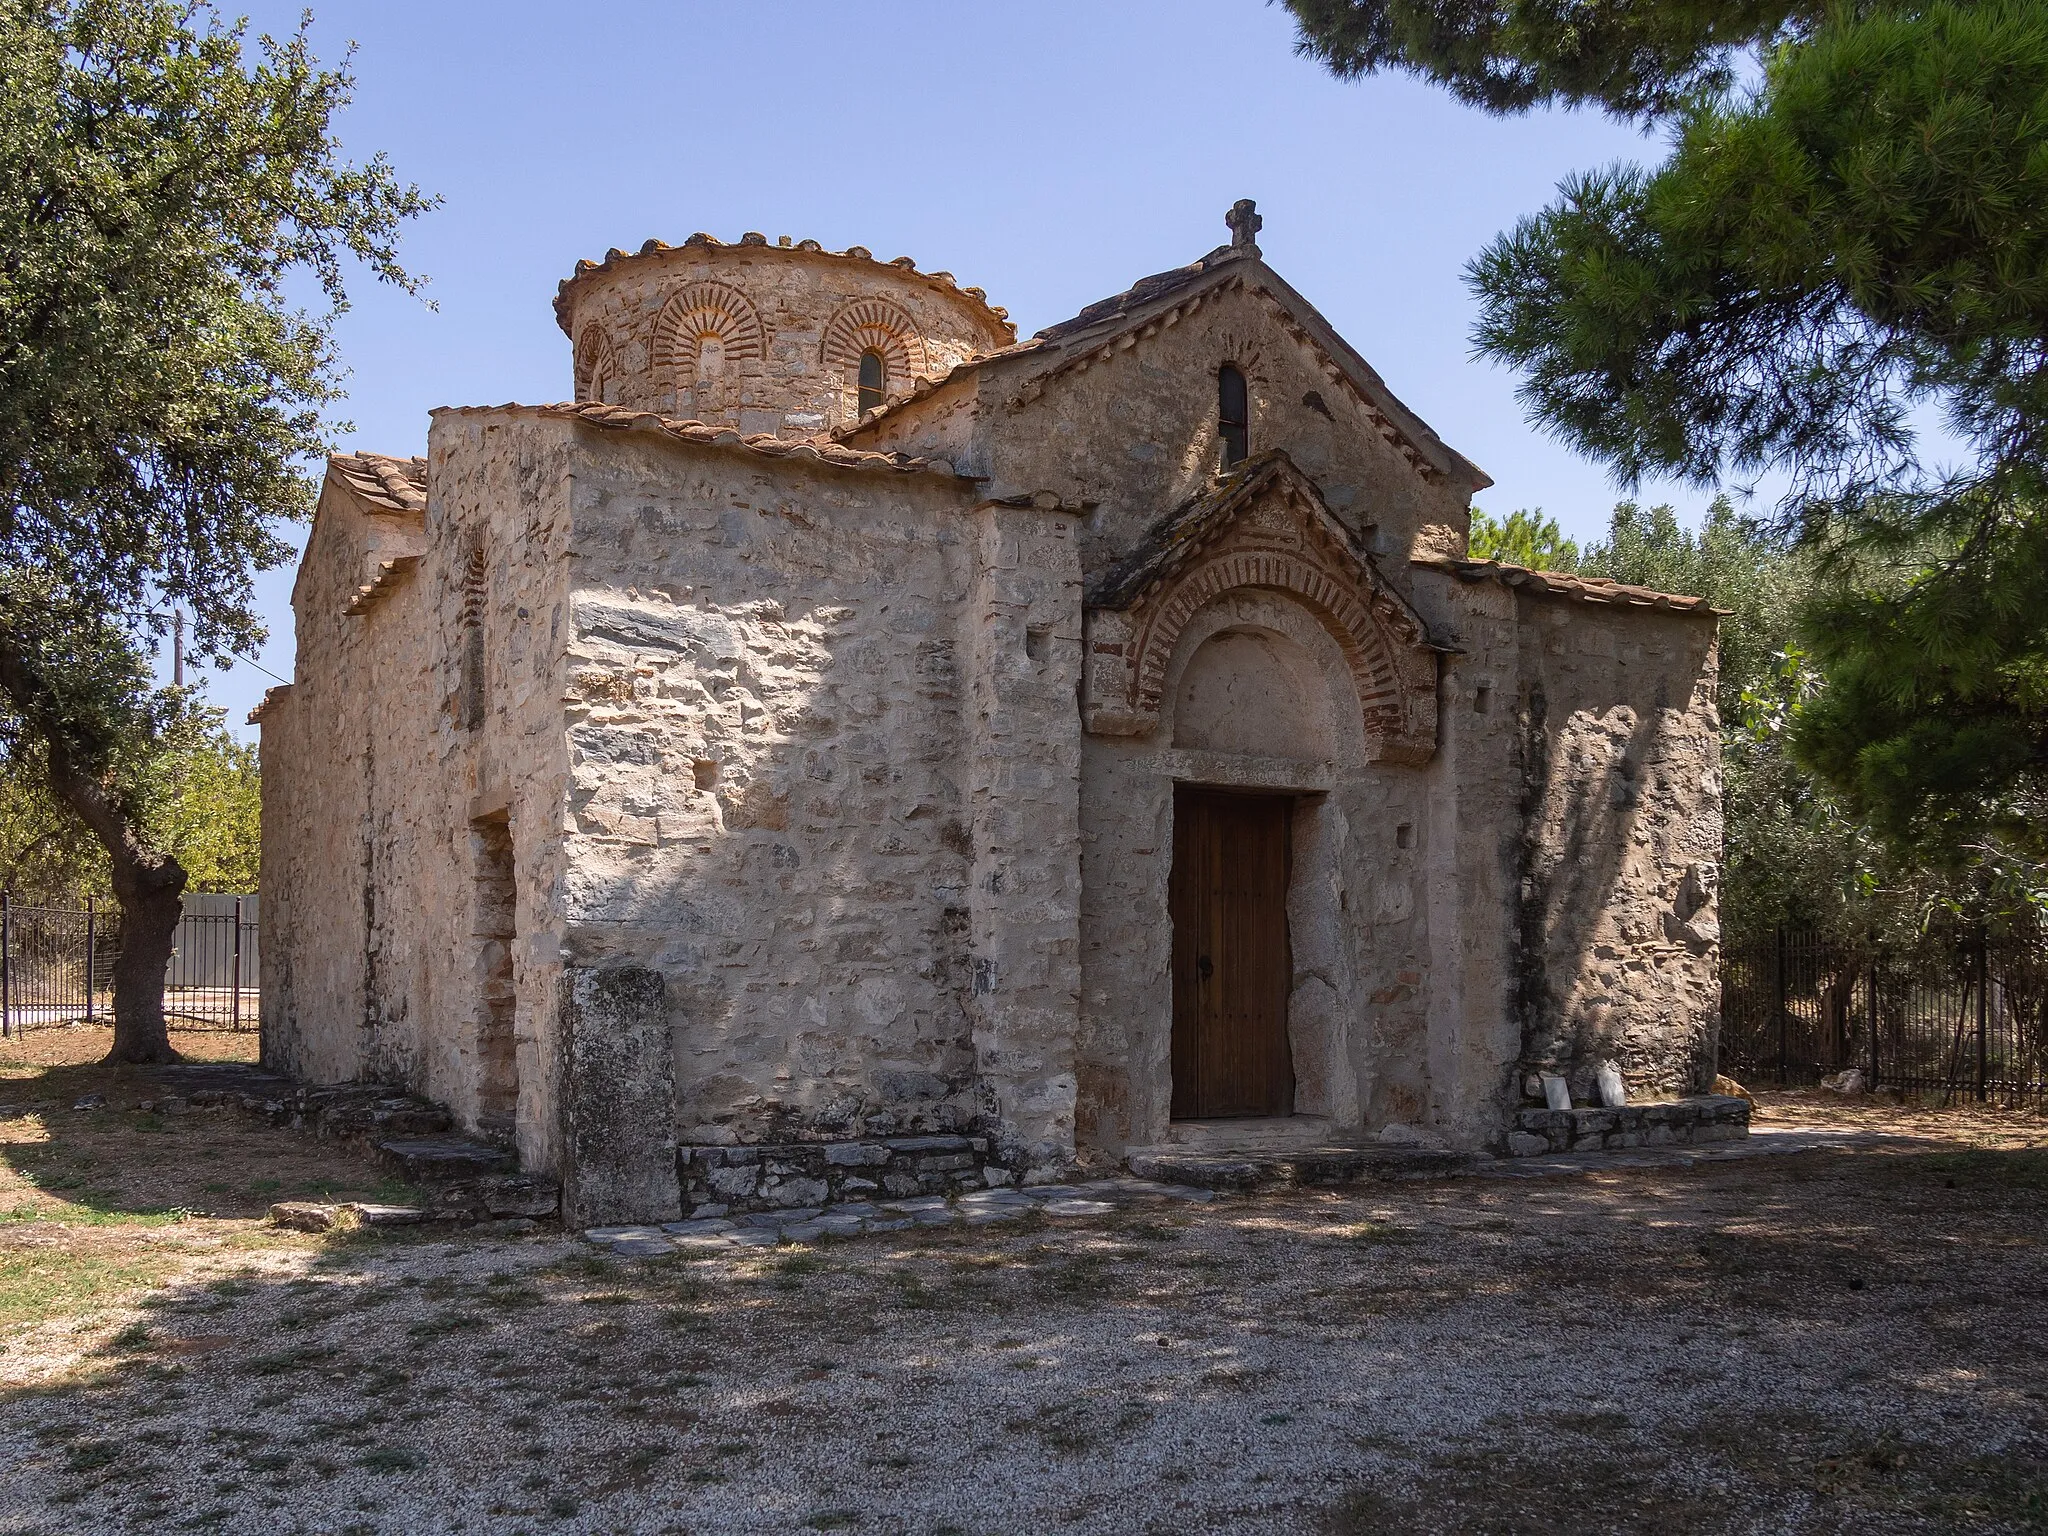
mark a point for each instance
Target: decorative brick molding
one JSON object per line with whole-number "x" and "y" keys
{"x": 873, "y": 325}
{"x": 597, "y": 364}
{"x": 1263, "y": 528}
{"x": 706, "y": 309}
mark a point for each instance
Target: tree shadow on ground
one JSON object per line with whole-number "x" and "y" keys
{"x": 1826, "y": 1342}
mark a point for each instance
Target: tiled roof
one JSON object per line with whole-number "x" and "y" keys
{"x": 1102, "y": 330}
{"x": 860, "y": 253}
{"x": 271, "y": 696}
{"x": 1144, "y": 291}
{"x": 811, "y": 450}
{"x": 388, "y": 484}
{"x": 1583, "y": 589}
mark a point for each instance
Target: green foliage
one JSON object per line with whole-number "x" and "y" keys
{"x": 1633, "y": 59}
{"x": 1863, "y": 233}
{"x": 170, "y": 194}
{"x": 1856, "y": 234}
{"x": 45, "y": 855}
{"x": 1526, "y": 538}
{"x": 162, "y": 179}
{"x": 1934, "y": 720}
{"x": 190, "y": 790}
{"x": 206, "y": 802}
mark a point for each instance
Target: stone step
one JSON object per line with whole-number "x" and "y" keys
{"x": 435, "y": 1160}
{"x": 1260, "y": 1169}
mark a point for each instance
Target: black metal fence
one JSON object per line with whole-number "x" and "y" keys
{"x": 57, "y": 965}
{"x": 1954, "y": 1018}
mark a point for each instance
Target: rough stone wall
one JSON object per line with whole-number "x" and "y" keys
{"x": 315, "y": 811}
{"x": 1577, "y": 834}
{"x": 377, "y": 764}
{"x": 770, "y": 805}
{"x": 1619, "y": 941}
{"x": 1022, "y": 642}
{"x": 1358, "y": 923}
{"x": 764, "y": 338}
{"x": 1135, "y": 436}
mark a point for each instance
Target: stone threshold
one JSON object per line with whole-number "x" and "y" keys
{"x": 764, "y": 1229}
{"x": 1259, "y": 1168}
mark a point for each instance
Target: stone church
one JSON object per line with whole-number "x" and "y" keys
{"x": 848, "y": 732}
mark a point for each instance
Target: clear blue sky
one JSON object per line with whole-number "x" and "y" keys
{"x": 1049, "y": 152}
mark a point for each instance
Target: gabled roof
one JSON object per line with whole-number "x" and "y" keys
{"x": 1172, "y": 541}
{"x": 1565, "y": 584}
{"x": 1151, "y": 304}
{"x": 1178, "y": 540}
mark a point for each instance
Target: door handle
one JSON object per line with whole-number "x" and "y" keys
{"x": 1203, "y": 968}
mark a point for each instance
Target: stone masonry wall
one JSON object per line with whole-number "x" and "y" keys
{"x": 376, "y": 769}
{"x": 1619, "y": 942}
{"x": 769, "y": 806}
{"x": 1135, "y": 436}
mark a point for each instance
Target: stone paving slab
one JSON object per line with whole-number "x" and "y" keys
{"x": 1102, "y": 1197}
{"x": 1762, "y": 1141}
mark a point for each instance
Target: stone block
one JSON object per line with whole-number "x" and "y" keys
{"x": 1522, "y": 1144}
{"x": 518, "y": 1195}
{"x": 620, "y": 1141}
{"x": 920, "y": 1144}
{"x": 946, "y": 1163}
{"x": 1543, "y": 1119}
{"x": 856, "y": 1154}
{"x": 796, "y": 1192}
{"x": 734, "y": 1183}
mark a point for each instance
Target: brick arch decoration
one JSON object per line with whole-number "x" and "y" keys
{"x": 706, "y": 309}
{"x": 1279, "y": 539}
{"x": 873, "y": 325}
{"x": 596, "y": 362}
{"x": 1390, "y": 668}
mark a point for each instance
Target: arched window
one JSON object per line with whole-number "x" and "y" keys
{"x": 1233, "y": 415}
{"x": 710, "y": 358}
{"x": 874, "y": 381}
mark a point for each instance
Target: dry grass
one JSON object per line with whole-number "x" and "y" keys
{"x": 1827, "y": 1342}
{"x": 95, "y": 1204}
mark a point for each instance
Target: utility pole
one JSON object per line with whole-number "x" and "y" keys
{"x": 177, "y": 647}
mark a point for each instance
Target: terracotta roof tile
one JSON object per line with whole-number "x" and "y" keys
{"x": 860, "y": 253}
{"x": 1143, "y": 291}
{"x": 1564, "y": 584}
{"x": 812, "y": 449}
{"x": 388, "y": 484}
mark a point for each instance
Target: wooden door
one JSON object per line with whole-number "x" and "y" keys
{"x": 1231, "y": 965}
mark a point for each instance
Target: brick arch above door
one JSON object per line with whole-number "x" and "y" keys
{"x": 1262, "y": 528}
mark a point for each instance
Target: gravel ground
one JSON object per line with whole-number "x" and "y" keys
{"x": 1840, "y": 1341}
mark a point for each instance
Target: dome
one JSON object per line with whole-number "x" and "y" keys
{"x": 790, "y": 339}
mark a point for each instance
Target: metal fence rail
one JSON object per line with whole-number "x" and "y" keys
{"x": 1957, "y": 1017}
{"x": 57, "y": 965}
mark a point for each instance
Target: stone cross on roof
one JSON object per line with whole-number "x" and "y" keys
{"x": 1245, "y": 224}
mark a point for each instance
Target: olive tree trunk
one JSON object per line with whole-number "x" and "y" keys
{"x": 148, "y": 884}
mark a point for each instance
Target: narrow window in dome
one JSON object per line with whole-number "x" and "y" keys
{"x": 874, "y": 379}
{"x": 1233, "y": 415}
